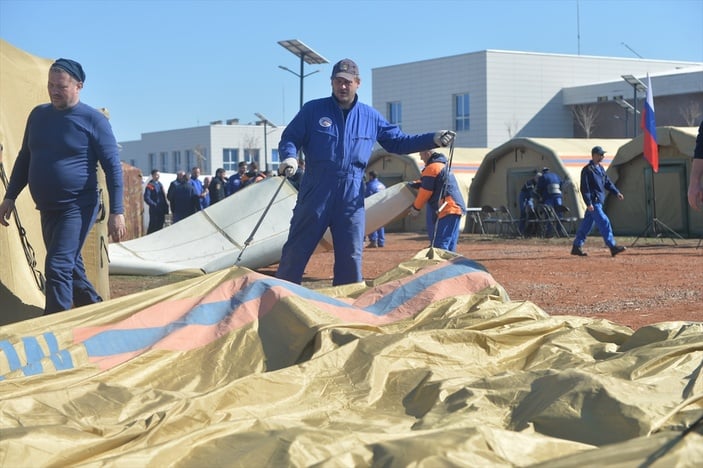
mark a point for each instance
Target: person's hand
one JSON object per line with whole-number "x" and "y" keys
{"x": 116, "y": 227}
{"x": 6, "y": 208}
{"x": 621, "y": 196}
{"x": 444, "y": 137}
{"x": 289, "y": 166}
{"x": 413, "y": 212}
{"x": 695, "y": 196}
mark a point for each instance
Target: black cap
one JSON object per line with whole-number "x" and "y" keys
{"x": 598, "y": 150}
{"x": 71, "y": 67}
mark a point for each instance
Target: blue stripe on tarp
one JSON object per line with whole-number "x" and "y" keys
{"x": 13, "y": 360}
{"x": 111, "y": 342}
{"x": 457, "y": 267}
{"x": 32, "y": 349}
{"x": 61, "y": 358}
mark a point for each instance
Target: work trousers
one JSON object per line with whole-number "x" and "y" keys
{"x": 157, "y": 217}
{"x": 334, "y": 202}
{"x": 600, "y": 219}
{"x": 447, "y": 230}
{"x": 64, "y": 233}
{"x": 379, "y": 237}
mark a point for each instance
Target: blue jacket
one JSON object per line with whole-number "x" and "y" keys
{"x": 59, "y": 158}
{"x": 155, "y": 197}
{"x": 373, "y": 186}
{"x": 549, "y": 185}
{"x": 594, "y": 183}
{"x": 433, "y": 182}
{"x": 198, "y": 186}
{"x": 333, "y": 144}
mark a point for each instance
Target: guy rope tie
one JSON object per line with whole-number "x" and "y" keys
{"x": 28, "y": 249}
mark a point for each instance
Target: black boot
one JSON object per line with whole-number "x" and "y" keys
{"x": 577, "y": 251}
{"x": 616, "y": 249}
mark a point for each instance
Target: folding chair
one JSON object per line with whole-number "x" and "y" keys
{"x": 553, "y": 223}
{"x": 509, "y": 226}
{"x": 489, "y": 217}
{"x": 562, "y": 213}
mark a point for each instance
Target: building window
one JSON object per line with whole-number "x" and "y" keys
{"x": 395, "y": 113}
{"x": 177, "y": 161}
{"x": 275, "y": 161}
{"x": 202, "y": 160}
{"x": 230, "y": 158}
{"x": 252, "y": 154}
{"x": 190, "y": 161}
{"x": 153, "y": 162}
{"x": 461, "y": 112}
{"x": 164, "y": 163}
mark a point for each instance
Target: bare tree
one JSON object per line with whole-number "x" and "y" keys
{"x": 585, "y": 116}
{"x": 250, "y": 141}
{"x": 512, "y": 127}
{"x": 691, "y": 112}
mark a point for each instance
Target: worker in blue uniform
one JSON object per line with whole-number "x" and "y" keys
{"x": 183, "y": 197}
{"x": 549, "y": 190}
{"x": 63, "y": 142}
{"x": 594, "y": 183}
{"x": 336, "y": 135}
{"x": 155, "y": 197}
{"x": 528, "y": 200}
{"x": 373, "y": 185}
{"x": 439, "y": 189}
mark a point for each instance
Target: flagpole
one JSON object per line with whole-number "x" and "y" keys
{"x": 654, "y": 222}
{"x": 650, "y": 150}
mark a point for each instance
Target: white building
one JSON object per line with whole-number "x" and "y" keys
{"x": 491, "y": 96}
{"x": 488, "y": 97}
{"x": 208, "y": 147}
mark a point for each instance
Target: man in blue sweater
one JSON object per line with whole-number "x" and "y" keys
{"x": 337, "y": 134}
{"x": 63, "y": 143}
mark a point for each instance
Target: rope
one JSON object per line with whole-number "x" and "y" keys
{"x": 261, "y": 219}
{"x": 26, "y": 246}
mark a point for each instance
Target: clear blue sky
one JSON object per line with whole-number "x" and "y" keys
{"x": 161, "y": 65}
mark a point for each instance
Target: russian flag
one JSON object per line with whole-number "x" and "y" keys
{"x": 651, "y": 149}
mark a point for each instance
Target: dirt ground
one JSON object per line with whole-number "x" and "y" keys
{"x": 656, "y": 280}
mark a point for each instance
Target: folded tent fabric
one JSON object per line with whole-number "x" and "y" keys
{"x": 429, "y": 361}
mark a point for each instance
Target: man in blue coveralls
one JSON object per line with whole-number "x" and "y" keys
{"x": 337, "y": 134}
{"x": 373, "y": 185}
{"x": 63, "y": 143}
{"x": 594, "y": 183}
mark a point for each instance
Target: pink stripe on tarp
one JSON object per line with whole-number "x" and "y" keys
{"x": 435, "y": 285}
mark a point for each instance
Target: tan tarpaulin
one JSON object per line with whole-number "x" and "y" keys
{"x": 634, "y": 177}
{"x": 430, "y": 365}
{"x": 23, "y": 79}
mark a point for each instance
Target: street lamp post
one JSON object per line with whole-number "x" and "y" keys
{"x": 637, "y": 85}
{"x": 628, "y": 110}
{"x": 266, "y": 122}
{"x": 307, "y": 55}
